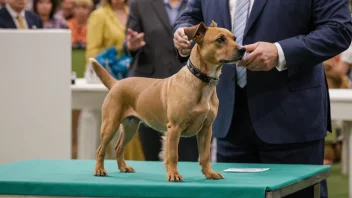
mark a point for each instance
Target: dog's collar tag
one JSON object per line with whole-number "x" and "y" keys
{"x": 203, "y": 77}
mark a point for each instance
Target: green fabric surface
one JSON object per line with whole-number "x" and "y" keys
{"x": 75, "y": 178}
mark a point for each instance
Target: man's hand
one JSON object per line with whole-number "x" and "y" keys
{"x": 181, "y": 42}
{"x": 134, "y": 40}
{"x": 263, "y": 57}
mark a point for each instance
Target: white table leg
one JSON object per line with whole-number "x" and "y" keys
{"x": 347, "y": 152}
{"x": 88, "y": 133}
{"x": 345, "y": 147}
{"x": 349, "y": 137}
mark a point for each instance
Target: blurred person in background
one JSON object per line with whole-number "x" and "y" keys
{"x": 105, "y": 29}
{"x": 335, "y": 79}
{"x": 13, "y": 15}
{"x": 2, "y": 3}
{"x": 149, "y": 41}
{"x": 345, "y": 63}
{"x": 78, "y": 24}
{"x": 46, "y": 10}
{"x": 29, "y": 5}
{"x": 66, "y": 10}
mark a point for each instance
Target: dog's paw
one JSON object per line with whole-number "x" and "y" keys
{"x": 214, "y": 175}
{"x": 126, "y": 169}
{"x": 174, "y": 177}
{"x": 100, "y": 172}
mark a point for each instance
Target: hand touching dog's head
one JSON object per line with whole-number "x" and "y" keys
{"x": 216, "y": 45}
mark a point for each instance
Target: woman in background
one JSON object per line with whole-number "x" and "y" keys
{"x": 46, "y": 10}
{"x": 106, "y": 28}
{"x": 78, "y": 24}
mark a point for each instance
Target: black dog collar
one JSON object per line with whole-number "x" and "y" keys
{"x": 203, "y": 77}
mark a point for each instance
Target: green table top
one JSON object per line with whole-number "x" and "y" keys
{"x": 75, "y": 178}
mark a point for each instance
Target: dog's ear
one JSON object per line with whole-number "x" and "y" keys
{"x": 213, "y": 24}
{"x": 196, "y": 33}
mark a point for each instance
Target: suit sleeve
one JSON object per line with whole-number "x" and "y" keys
{"x": 191, "y": 16}
{"x": 331, "y": 35}
{"x": 94, "y": 38}
{"x": 133, "y": 22}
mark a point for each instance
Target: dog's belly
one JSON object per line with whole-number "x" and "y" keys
{"x": 155, "y": 125}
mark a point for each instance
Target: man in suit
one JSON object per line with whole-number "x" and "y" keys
{"x": 149, "y": 42}
{"x": 14, "y": 16}
{"x": 274, "y": 104}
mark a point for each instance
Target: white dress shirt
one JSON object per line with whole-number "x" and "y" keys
{"x": 14, "y": 15}
{"x": 282, "y": 62}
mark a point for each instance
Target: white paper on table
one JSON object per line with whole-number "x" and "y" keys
{"x": 246, "y": 170}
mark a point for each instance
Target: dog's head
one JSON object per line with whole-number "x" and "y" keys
{"x": 216, "y": 45}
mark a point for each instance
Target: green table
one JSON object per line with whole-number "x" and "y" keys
{"x": 75, "y": 178}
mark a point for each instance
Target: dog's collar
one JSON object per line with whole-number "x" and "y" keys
{"x": 203, "y": 77}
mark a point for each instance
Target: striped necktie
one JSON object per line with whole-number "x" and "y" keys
{"x": 240, "y": 21}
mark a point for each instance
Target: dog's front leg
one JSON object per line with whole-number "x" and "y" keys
{"x": 203, "y": 141}
{"x": 171, "y": 153}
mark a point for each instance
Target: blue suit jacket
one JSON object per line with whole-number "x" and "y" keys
{"x": 6, "y": 21}
{"x": 293, "y": 105}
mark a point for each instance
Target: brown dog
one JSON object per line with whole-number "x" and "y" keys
{"x": 184, "y": 104}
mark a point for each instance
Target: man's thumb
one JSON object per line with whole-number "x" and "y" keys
{"x": 250, "y": 48}
{"x": 181, "y": 32}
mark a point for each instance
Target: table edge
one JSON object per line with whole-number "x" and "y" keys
{"x": 298, "y": 185}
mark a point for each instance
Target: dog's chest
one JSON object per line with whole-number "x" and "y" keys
{"x": 195, "y": 122}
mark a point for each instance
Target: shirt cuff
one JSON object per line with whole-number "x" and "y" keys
{"x": 282, "y": 61}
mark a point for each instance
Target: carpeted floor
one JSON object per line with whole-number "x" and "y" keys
{"x": 337, "y": 183}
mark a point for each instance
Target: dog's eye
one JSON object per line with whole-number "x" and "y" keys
{"x": 220, "y": 40}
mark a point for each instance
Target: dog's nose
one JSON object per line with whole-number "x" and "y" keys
{"x": 241, "y": 50}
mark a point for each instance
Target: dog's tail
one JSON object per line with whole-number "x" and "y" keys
{"x": 103, "y": 75}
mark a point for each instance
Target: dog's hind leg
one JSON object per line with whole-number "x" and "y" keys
{"x": 110, "y": 123}
{"x": 130, "y": 126}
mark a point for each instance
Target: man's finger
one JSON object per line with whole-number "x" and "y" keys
{"x": 248, "y": 59}
{"x": 183, "y": 46}
{"x": 254, "y": 65}
{"x": 250, "y": 48}
{"x": 182, "y": 40}
{"x": 181, "y": 32}
{"x": 138, "y": 38}
{"x": 186, "y": 39}
{"x": 130, "y": 32}
{"x": 142, "y": 43}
